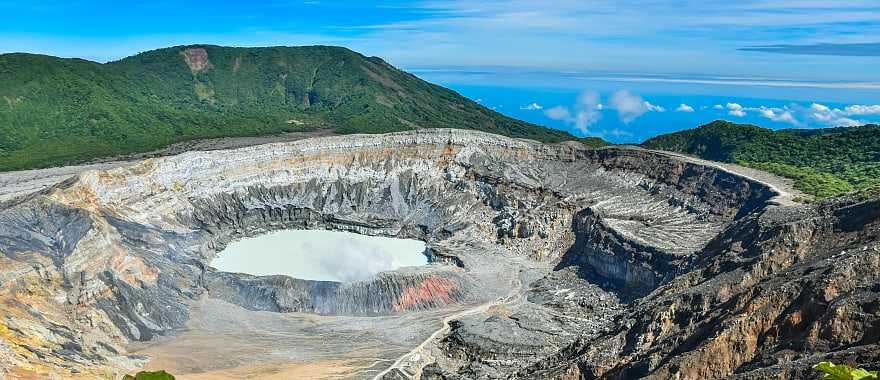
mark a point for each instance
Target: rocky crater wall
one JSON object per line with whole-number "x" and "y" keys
{"x": 126, "y": 250}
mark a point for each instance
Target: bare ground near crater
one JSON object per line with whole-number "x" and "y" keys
{"x": 226, "y": 341}
{"x": 222, "y": 340}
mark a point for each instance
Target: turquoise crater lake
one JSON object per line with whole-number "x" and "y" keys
{"x": 319, "y": 255}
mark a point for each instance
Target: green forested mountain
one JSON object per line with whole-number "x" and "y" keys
{"x": 55, "y": 111}
{"x": 824, "y": 162}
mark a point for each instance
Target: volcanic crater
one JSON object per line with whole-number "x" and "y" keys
{"x": 546, "y": 261}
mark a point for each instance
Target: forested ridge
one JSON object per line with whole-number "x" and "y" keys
{"x": 823, "y": 162}
{"x": 56, "y": 111}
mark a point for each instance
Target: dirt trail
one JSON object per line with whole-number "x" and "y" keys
{"x": 784, "y": 187}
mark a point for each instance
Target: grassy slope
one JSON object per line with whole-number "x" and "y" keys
{"x": 823, "y": 162}
{"x": 56, "y": 111}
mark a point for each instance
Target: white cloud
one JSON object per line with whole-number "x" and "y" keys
{"x": 786, "y": 117}
{"x": 617, "y": 132}
{"x": 586, "y": 111}
{"x": 613, "y": 132}
{"x": 589, "y": 99}
{"x": 863, "y": 110}
{"x": 558, "y": 113}
{"x": 718, "y": 107}
{"x": 630, "y": 106}
{"x": 734, "y": 109}
{"x": 814, "y": 115}
{"x": 491, "y": 24}
{"x": 833, "y": 116}
{"x": 782, "y": 115}
{"x": 654, "y": 108}
{"x": 533, "y": 106}
{"x": 820, "y": 107}
{"x": 684, "y": 108}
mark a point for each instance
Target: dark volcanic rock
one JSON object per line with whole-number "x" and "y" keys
{"x": 773, "y": 294}
{"x": 387, "y": 293}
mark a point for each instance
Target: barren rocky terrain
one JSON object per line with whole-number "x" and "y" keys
{"x": 548, "y": 261}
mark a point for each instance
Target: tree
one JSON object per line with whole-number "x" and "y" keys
{"x": 144, "y": 375}
{"x": 845, "y": 372}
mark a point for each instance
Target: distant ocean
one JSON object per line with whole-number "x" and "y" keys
{"x": 763, "y": 102}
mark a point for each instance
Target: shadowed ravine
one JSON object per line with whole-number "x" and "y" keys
{"x": 548, "y": 261}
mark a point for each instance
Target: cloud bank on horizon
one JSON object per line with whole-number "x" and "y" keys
{"x": 627, "y": 107}
{"x": 855, "y": 50}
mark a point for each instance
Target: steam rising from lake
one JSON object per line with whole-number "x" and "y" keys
{"x": 319, "y": 255}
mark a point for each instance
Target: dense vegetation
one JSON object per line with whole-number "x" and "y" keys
{"x": 823, "y": 162}
{"x": 831, "y": 371}
{"x": 144, "y": 375}
{"x": 55, "y": 111}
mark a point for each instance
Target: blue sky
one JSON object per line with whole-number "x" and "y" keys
{"x": 615, "y": 68}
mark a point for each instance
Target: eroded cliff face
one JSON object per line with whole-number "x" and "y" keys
{"x": 552, "y": 260}
{"x": 774, "y": 293}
